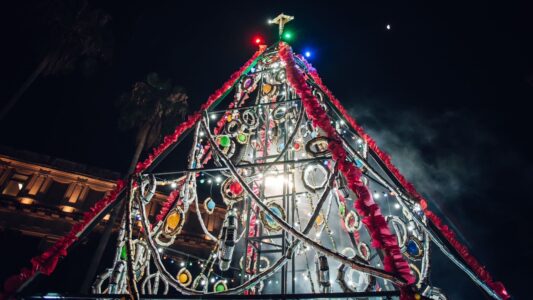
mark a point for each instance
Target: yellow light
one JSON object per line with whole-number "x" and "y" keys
{"x": 26, "y": 201}
{"x": 67, "y": 209}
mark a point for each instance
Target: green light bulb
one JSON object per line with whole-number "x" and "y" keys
{"x": 287, "y": 35}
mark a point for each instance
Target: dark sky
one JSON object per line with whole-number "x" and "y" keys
{"x": 446, "y": 91}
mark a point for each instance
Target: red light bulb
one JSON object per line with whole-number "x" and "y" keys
{"x": 258, "y": 40}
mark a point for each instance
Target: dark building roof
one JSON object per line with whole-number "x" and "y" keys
{"x": 58, "y": 163}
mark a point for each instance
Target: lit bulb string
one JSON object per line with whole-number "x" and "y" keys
{"x": 381, "y": 236}
{"x": 236, "y": 290}
{"x": 495, "y": 289}
{"x": 400, "y": 198}
{"x": 47, "y": 261}
{"x": 305, "y": 254}
{"x": 299, "y": 235}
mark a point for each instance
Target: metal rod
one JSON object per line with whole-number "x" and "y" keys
{"x": 298, "y": 161}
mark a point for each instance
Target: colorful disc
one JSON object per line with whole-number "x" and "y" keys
{"x": 174, "y": 222}
{"x": 184, "y": 277}
{"x": 209, "y": 205}
{"x": 220, "y": 286}
{"x": 268, "y": 221}
{"x": 352, "y": 221}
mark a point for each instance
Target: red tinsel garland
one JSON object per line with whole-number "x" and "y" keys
{"x": 171, "y": 199}
{"x": 195, "y": 117}
{"x": 377, "y": 227}
{"x": 47, "y": 261}
{"x": 480, "y": 271}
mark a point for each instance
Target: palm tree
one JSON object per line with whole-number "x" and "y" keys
{"x": 78, "y": 33}
{"x": 152, "y": 107}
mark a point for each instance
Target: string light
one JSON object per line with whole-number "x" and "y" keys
{"x": 307, "y": 54}
{"x": 173, "y": 185}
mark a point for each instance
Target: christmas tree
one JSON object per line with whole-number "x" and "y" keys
{"x": 311, "y": 204}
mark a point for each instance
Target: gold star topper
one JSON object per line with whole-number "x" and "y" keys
{"x": 281, "y": 20}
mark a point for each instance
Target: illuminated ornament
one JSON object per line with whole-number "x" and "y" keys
{"x": 224, "y": 141}
{"x": 247, "y": 83}
{"x": 319, "y": 219}
{"x": 220, "y": 286}
{"x": 297, "y": 146}
{"x": 413, "y": 248}
{"x": 317, "y": 146}
{"x": 174, "y": 222}
{"x": 124, "y": 253}
{"x": 268, "y": 221}
{"x": 209, "y": 205}
{"x": 352, "y": 221}
{"x": 242, "y": 138}
{"x": 232, "y": 191}
{"x": 268, "y": 89}
{"x": 229, "y": 117}
{"x": 342, "y": 209}
{"x": 315, "y": 176}
{"x": 364, "y": 251}
{"x": 184, "y": 277}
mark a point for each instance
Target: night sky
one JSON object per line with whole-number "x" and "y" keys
{"x": 446, "y": 91}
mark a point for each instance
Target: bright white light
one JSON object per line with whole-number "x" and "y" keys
{"x": 307, "y": 54}
{"x": 212, "y": 280}
{"x": 397, "y": 205}
{"x": 410, "y": 227}
{"x": 274, "y": 180}
{"x": 202, "y": 133}
{"x": 388, "y": 26}
{"x": 213, "y": 116}
{"x": 218, "y": 179}
{"x": 209, "y": 181}
{"x": 203, "y": 282}
{"x": 160, "y": 250}
{"x": 182, "y": 264}
{"x": 359, "y": 141}
{"x": 269, "y": 21}
{"x": 173, "y": 185}
{"x": 376, "y": 195}
{"x": 318, "y": 234}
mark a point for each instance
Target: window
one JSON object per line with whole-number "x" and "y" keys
{"x": 55, "y": 193}
{"x": 15, "y": 185}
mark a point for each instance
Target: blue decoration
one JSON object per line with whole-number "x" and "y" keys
{"x": 413, "y": 248}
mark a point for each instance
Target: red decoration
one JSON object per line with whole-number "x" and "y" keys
{"x": 47, "y": 261}
{"x": 195, "y": 117}
{"x": 171, "y": 199}
{"x": 409, "y": 187}
{"x": 382, "y": 238}
{"x": 236, "y": 188}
